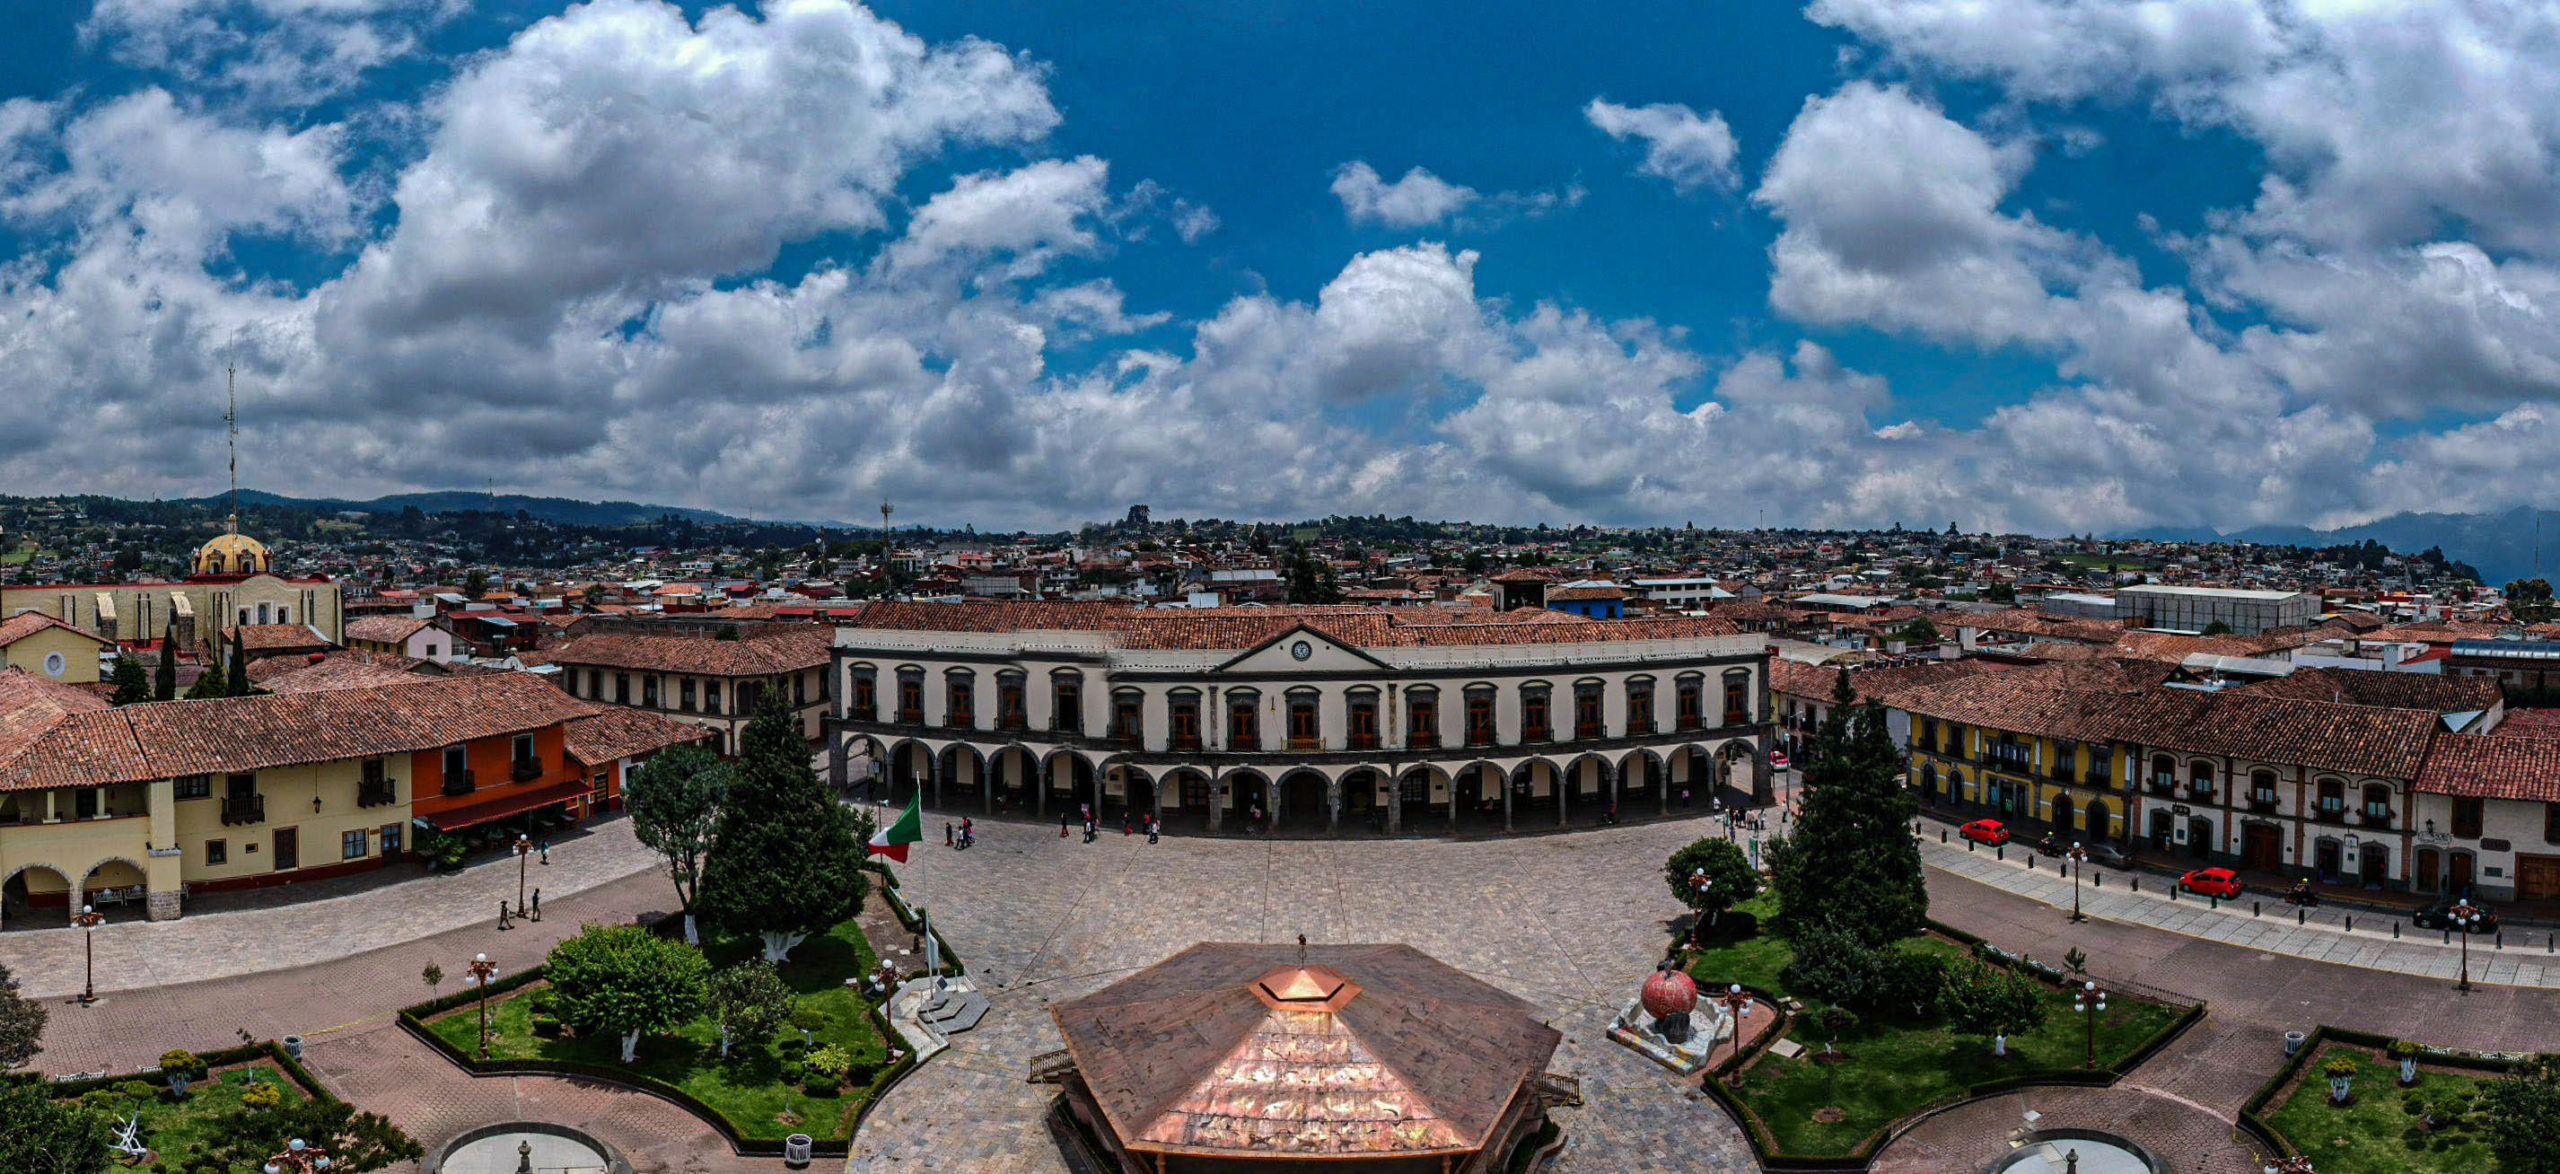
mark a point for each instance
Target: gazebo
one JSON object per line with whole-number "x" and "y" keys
{"x": 1240, "y": 1058}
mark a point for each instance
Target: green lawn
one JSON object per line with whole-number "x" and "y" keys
{"x": 747, "y": 1088}
{"x": 2378, "y": 1134}
{"x": 1890, "y": 1068}
{"x": 177, "y": 1129}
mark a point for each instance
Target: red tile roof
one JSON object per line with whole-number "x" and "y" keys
{"x": 385, "y": 629}
{"x": 28, "y": 623}
{"x": 620, "y": 732}
{"x": 787, "y": 650}
{"x": 275, "y": 638}
{"x": 165, "y": 739}
{"x": 2443, "y": 694}
{"x": 1239, "y": 628}
{"x": 2514, "y": 767}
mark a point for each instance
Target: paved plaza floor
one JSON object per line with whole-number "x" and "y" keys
{"x": 1570, "y": 922}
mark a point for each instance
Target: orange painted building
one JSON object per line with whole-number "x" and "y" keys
{"x": 486, "y": 779}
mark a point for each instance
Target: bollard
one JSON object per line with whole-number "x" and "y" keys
{"x": 2501, "y": 943}
{"x": 2298, "y": 918}
{"x": 2253, "y": 909}
{"x": 2448, "y": 937}
{"x": 1971, "y": 844}
{"x": 2546, "y": 942}
{"x": 2136, "y": 882}
{"x": 2001, "y": 851}
{"x": 1942, "y": 835}
{"x": 2173, "y": 894}
{"x": 2395, "y": 931}
{"x": 2350, "y": 922}
{"x": 2099, "y": 881}
{"x": 2031, "y": 862}
{"x": 2213, "y": 900}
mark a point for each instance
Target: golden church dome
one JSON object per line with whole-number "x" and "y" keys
{"x": 231, "y": 554}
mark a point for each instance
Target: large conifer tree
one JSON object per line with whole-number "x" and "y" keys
{"x": 1850, "y": 862}
{"x": 235, "y": 681}
{"x": 785, "y": 861}
{"x": 164, "y": 679}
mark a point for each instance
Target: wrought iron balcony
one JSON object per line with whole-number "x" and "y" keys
{"x": 376, "y": 793}
{"x": 240, "y": 809}
{"x": 461, "y": 784}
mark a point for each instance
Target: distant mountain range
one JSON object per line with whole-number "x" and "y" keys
{"x": 2503, "y": 546}
{"x": 562, "y": 510}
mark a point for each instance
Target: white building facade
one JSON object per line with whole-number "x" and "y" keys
{"x": 1337, "y": 719}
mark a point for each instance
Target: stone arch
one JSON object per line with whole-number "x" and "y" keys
{"x": 960, "y": 771}
{"x": 909, "y": 767}
{"x": 1304, "y": 798}
{"x": 1248, "y": 790}
{"x": 1644, "y": 779}
{"x": 2101, "y": 823}
{"x": 1476, "y": 793}
{"x": 1013, "y": 774}
{"x": 1134, "y": 794}
{"x": 1070, "y": 779}
{"x": 18, "y": 897}
{"x": 113, "y": 874}
{"x": 1183, "y": 793}
{"x": 1415, "y": 784}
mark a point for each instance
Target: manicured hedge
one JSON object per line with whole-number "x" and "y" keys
{"x": 2253, "y": 1112}
{"x": 413, "y": 1019}
{"x": 262, "y": 1050}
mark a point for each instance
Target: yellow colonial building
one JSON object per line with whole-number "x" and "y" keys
{"x": 142, "y": 804}
{"x": 232, "y": 584}
{"x": 2027, "y": 745}
{"x": 46, "y": 647}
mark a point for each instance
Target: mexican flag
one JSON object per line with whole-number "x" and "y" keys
{"x": 892, "y": 841}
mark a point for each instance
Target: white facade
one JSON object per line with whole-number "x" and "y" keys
{"x": 1309, "y": 730}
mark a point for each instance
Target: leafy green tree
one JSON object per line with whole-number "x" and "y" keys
{"x": 2216, "y": 628}
{"x": 132, "y": 684}
{"x": 356, "y": 1142}
{"x": 2529, "y": 600}
{"x": 784, "y": 861}
{"x": 475, "y": 584}
{"x": 164, "y": 677}
{"x": 21, "y": 1024}
{"x": 2524, "y": 1118}
{"x": 1729, "y": 879}
{"x": 1851, "y": 862}
{"x": 46, "y": 1136}
{"x": 235, "y": 676}
{"x": 213, "y": 683}
{"x": 1981, "y": 999}
{"x": 1832, "y": 965}
{"x": 749, "y": 1003}
{"x": 1920, "y": 633}
{"x": 1311, "y": 578}
{"x": 675, "y": 805}
{"x": 625, "y": 980}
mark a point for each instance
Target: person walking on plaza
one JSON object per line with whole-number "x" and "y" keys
{"x": 1124, "y": 823}
{"x": 948, "y": 838}
{"x": 502, "y": 914}
{"x": 1062, "y": 825}
{"x": 1155, "y": 828}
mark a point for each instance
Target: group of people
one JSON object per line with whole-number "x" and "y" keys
{"x": 1130, "y": 824}
{"x": 965, "y": 836}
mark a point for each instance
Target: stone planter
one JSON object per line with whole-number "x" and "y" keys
{"x": 795, "y": 1151}
{"x": 2293, "y": 1041}
{"x": 293, "y": 1047}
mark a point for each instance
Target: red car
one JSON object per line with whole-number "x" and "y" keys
{"x": 2212, "y": 882}
{"x": 1987, "y": 831}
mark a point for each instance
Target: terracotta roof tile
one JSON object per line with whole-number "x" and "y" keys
{"x": 788, "y": 650}
{"x": 2514, "y": 767}
{"x": 385, "y": 629}
{"x": 2443, "y": 694}
{"x": 28, "y": 623}
{"x": 620, "y": 732}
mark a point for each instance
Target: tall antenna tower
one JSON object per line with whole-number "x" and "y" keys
{"x": 231, "y": 422}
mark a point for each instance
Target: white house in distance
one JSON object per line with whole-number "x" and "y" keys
{"x": 415, "y": 637}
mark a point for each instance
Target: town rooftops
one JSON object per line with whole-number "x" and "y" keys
{"x": 74, "y": 747}
{"x": 275, "y": 638}
{"x": 2476, "y": 767}
{"x": 790, "y": 649}
{"x": 28, "y": 623}
{"x": 618, "y": 732}
{"x": 1241, "y": 628}
{"x": 386, "y": 629}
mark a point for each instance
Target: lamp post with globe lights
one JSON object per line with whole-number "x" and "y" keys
{"x": 299, "y": 1157}
{"x": 2078, "y": 855}
{"x": 2090, "y": 1000}
{"x": 478, "y": 974}
{"x": 88, "y": 919}
{"x": 1737, "y": 1005}
{"x": 523, "y": 849}
{"x": 2464, "y": 917}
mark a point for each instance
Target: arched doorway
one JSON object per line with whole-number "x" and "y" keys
{"x": 1735, "y": 774}
{"x": 1306, "y": 803}
{"x": 963, "y": 775}
{"x": 910, "y": 769}
{"x": 1014, "y": 775}
{"x": 1640, "y": 779}
{"x": 2101, "y": 822}
{"x": 1475, "y": 799}
{"x": 1185, "y": 794}
{"x": 1248, "y": 802}
{"x": 1586, "y": 789}
{"x": 1129, "y": 792}
{"x": 32, "y": 890}
{"x": 1069, "y": 785}
{"x": 2063, "y": 813}
{"x": 1360, "y": 805}
{"x": 115, "y": 888}
{"x": 1692, "y": 783}
{"x": 1418, "y": 790}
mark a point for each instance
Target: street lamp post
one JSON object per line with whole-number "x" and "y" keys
{"x": 2464, "y": 917}
{"x": 1737, "y": 1006}
{"x": 2089, "y": 1000}
{"x": 524, "y": 849}
{"x": 2079, "y": 857}
{"x": 478, "y": 974}
{"x": 88, "y": 919}
{"x": 299, "y": 1157}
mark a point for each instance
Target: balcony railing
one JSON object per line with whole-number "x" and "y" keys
{"x": 2375, "y": 819}
{"x": 461, "y": 784}
{"x": 1367, "y": 741}
{"x": 1422, "y": 740}
{"x": 2159, "y": 785}
{"x": 2263, "y": 804}
{"x": 1310, "y": 742}
{"x": 376, "y": 794}
{"x": 2196, "y": 794}
{"x": 240, "y": 809}
{"x": 1537, "y": 734}
{"x": 1586, "y": 731}
{"x": 525, "y": 770}
{"x": 1186, "y": 742}
{"x": 2329, "y": 814}
{"x": 910, "y": 717}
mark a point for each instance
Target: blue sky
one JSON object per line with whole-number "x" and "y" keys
{"x": 2059, "y": 265}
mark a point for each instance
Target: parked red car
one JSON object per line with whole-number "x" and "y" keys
{"x": 1987, "y": 831}
{"x": 2212, "y": 882}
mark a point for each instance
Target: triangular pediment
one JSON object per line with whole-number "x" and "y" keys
{"x": 1302, "y": 649}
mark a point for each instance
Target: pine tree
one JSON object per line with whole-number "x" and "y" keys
{"x": 164, "y": 679}
{"x": 235, "y": 681}
{"x": 1851, "y": 863}
{"x": 212, "y": 682}
{"x": 132, "y": 684}
{"x": 784, "y": 860}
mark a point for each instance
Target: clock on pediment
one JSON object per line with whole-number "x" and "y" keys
{"x": 1302, "y": 650}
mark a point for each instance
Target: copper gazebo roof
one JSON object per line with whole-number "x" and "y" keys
{"x": 1240, "y": 1050}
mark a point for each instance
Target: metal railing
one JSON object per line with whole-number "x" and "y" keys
{"x": 240, "y": 809}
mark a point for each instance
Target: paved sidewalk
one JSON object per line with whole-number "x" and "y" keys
{"x": 2371, "y": 946}
{"x": 201, "y": 946}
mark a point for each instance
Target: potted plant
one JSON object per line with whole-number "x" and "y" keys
{"x": 2406, "y": 1051}
{"x": 2341, "y": 1071}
